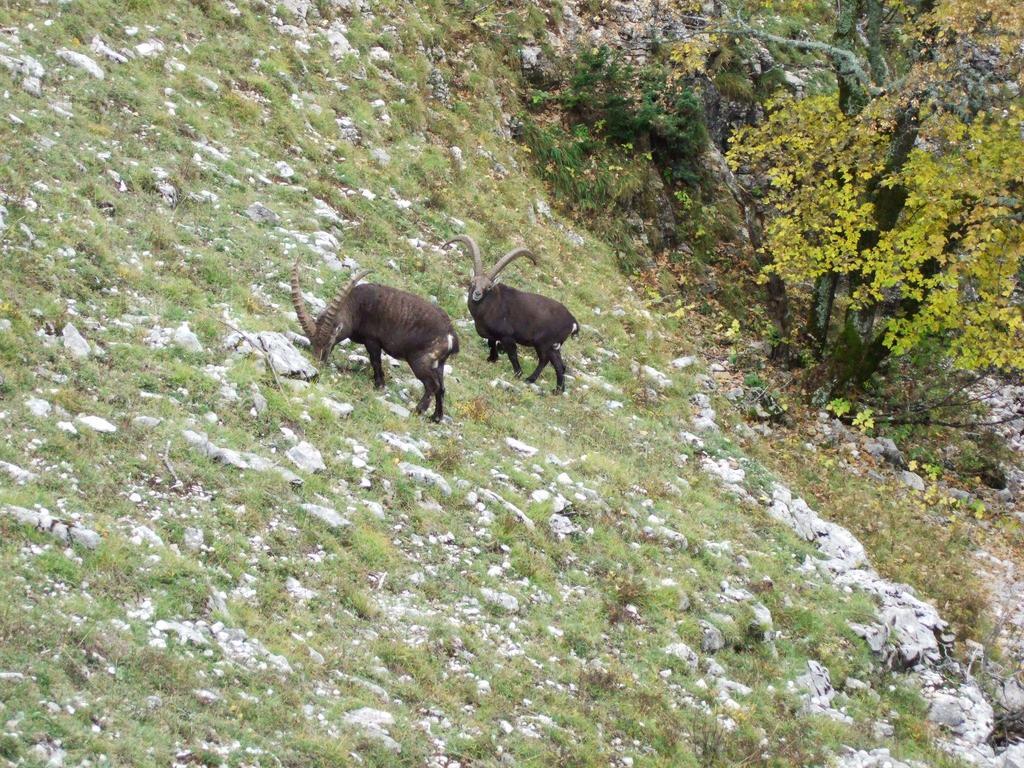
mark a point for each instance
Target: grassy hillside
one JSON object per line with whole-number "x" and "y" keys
{"x": 224, "y": 620}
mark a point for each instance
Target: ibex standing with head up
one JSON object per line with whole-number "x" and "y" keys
{"x": 507, "y": 317}
{"x": 384, "y": 319}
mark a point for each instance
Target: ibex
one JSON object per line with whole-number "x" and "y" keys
{"x": 507, "y": 317}
{"x": 405, "y": 326}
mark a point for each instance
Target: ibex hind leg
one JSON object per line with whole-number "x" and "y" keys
{"x": 542, "y": 358}
{"x": 556, "y": 361}
{"x": 438, "y": 414}
{"x": 423, "y": 369}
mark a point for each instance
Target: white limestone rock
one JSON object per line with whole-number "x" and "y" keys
{"x": 503, "y": 600}
{"x": 425, "y": 476}
{"x": 81, "y": 61}
{"x": 69, "y": 533}
{"x": 683, "y": 653}
{"x": 306, "y": 457}
{"x": 185, "y": 339}
{"x": 326, "y": 515}
{"x": 75, "y": 343}
{"x": 16, "y": 473}
{"x": 282, "y": 353}
{"x": 97, "y": 424}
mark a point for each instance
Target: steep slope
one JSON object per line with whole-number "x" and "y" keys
{"x": 208, "y": 563}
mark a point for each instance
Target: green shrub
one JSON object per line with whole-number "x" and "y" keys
{"x": 644, "y": 109}
{"x": 735, "y": 86}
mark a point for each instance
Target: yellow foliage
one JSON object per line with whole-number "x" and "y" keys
{"x": 958, "y": 246}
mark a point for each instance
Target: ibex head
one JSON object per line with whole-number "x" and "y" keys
{"x": 330, "y": 327}
{"x": 481, "y": 282}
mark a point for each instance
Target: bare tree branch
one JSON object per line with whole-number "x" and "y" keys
{"x": 847, "y": 61}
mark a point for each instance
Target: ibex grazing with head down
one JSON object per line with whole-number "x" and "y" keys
{"x": 405, "y": 326}
{"x": 507, "y": 317}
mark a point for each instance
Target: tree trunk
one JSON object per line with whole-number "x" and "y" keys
{"x": 861, "y": 319}
{"x": 820, "y": 318}
{"x": 853, "y": 95}
{"x": 876, "y": 58}
{"x": 854, "y": 372}
{"x": 778, "y": 311}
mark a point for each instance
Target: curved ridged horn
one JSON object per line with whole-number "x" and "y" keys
{"x": 478, "y": 265}
{"x": 307, "y": 323}
{"x": 508, "y": 258}
{"x": 328, "y": 320}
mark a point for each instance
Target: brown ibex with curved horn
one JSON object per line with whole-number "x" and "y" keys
{"x": 386, "y": 319}
{"x": 506, "y": 316}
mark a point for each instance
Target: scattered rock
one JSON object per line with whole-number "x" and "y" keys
{"x": 75, "y": 343}
{"x": 885, "y": 449}
{"x": 502, "y": 600}
{"x": 817, "y": 684}
{"x": 457, "y": 158}
{"x": 561, "y": 526}
{"x": 30, "y": 71}
{"x": 373, "y": 723}
{"x": 194, "y": 539}
{"x": 405, "y": 444}
{"x": 684, "y": 653}
{"x": 259, "y": 213}
{"x": 876, "y": 758}
{"x": 97, "y": 424}
{"x": 1013, "y": 757}
{"x": 711, "y": 640}
{"x": 306, "y": 457}
{"x": 16, "y": 473}
{"x": 149, "y": 48}
{"x": 98, "y": 46}
{"x": 537, "y": 68}
{"x": 338, "y": 42}
{"x": 204, "y": 696}
{"x": 69, "y": 533}
{"x": 38, "y": 407}
{"x": 238, "y": 459}
{"x": 520, "y": 447}
{"x": 184, "y": 337}
{"x": 912, "y": 479}
{"x": 283, "y": 170}
{"x": 341, "y": 410}
{"x": 326, "y": 515}
{"x": 425, "y": 476}
{"x": 287, "y": 360}
{"x": 81, "y": 61}
{"x": 143, "y": 535}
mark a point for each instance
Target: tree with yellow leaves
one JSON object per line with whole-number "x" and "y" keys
{"x": 905, "y": 185}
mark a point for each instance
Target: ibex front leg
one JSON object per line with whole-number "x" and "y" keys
{"x": 509, "y": 345}
{"x": 373, "y": 350}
